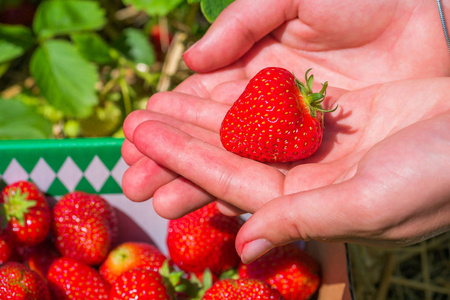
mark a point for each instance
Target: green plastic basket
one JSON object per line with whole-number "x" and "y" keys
{"x": 59, "y": 166}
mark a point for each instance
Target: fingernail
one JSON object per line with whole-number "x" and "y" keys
{"x": 254, "y": 249}
{"x": 190, "y": 48}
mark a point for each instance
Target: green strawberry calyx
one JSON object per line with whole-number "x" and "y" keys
{"x": 313, "y": 101}
{"x": 16, "y": 205}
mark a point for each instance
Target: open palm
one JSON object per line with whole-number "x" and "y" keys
{"x": 357, "y": 187}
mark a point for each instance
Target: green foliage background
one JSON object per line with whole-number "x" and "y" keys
{"x": 76, "y": 68}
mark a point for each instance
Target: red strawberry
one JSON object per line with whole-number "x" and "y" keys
{"x": 102, "y": 208}
{"x": 243, "y": 288}
{"x": 131, "y": 255}
{"x": 204, "y": 239}
{"x": 39, "y": 258}
{"x": 276, "y": 119}
{"x": 140, "y": 284}
{"x": 19, "y": 282}
{"x": 69, "y": 278}
{"x": 82, "y": 227}
{"x": 161, "y": 38}
{"x": 287, "y": 268}
{"x": 98, "y": 206}
{"x": 27, "y": 212}
{"x": 6, "y": 245}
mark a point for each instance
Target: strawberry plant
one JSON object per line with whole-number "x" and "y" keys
{"x": 78, "y": 67}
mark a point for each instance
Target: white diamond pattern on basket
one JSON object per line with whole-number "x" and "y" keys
{"x": 42, "y": 175}
{"x": 14, "y": 172}
{"x": 118, "y": 171}
{"x": 69, "y": 174}
{"x": 96, "y": 173}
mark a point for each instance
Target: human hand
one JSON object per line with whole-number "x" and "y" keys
{"x": 351, "y": 44}
{"x": 380, "y": 177}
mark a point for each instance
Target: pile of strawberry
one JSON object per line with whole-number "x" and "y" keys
{"x": 71, "y": 251}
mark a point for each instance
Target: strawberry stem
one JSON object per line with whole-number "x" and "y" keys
{"x": 313, "y": 100}
{"x": 16, "y": 205}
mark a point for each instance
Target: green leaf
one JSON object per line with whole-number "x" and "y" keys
{"x": 154, "y": 7}
{"x": 65, "y": 78}
{"x": 92, "y": 47}
{"x": 22, "y": 121}
{"x": 3, "y": 68}
{"x": 135, "y": 46}
{"x": 14, "y": 41}
{"x": 64, "y": 17}
{"x": 212, "y": 8}
{"x": 193, "y": 1}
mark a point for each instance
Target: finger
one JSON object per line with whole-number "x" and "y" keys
{"x": 132, "y": 120}
{"x": 179, "y": 197}
{"x": 203, "y": 85}
{"x": 323, "y": 214}
{"x": 143, "y": 178}
{"x": 219, "y": 172}
{"x": 129, "y": 153}
{"x": 140, "y": 116}
{"x": 190, "y": 109}
{"x": 228, "y": 210}
{"x": 235, "y": 31}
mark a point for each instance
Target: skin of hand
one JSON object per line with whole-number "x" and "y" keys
{"x": 187, "y": 121}
{"x": 380, "y": 177}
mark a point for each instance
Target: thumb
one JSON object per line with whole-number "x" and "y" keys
{"x": 322, "y": 214}
{"x": 235, "y": 31}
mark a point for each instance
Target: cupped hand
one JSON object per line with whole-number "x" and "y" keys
{"x": 350, "y": 44}
{"x": 176, "y": 157}
{"x": 380, "y": 177}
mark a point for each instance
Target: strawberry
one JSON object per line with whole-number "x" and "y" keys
{"x": 39, "y": 258}
{"x": 6, "y": 245}
{"x": 101, "y": 207}
{"x": 131, "y": 255}
{"x": 160, "y": 37}
{"x": 204, "y": 239}
{"x": 26, "y": 210}
{"x": 288, "y": 269}
{"x": 19, "y": 282}
{"x": 140, "y": 284}
{"x": 69, "y": 278}
{"x": 276, "y": 119}
{"x": 242, "y": 288}
{"x": 84, "y": 227}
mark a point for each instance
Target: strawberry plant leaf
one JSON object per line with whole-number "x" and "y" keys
{"x": 135, "y": 46}
{"x": 63, "y": 17}
{"x": 92, "y": 47}
{"x": 22, "y": 121}
{"x": 65, "y": 78}
{"x": 212, "y": 8}
{"x": 154, "y": 7}
{"x": 14, "y": 41}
